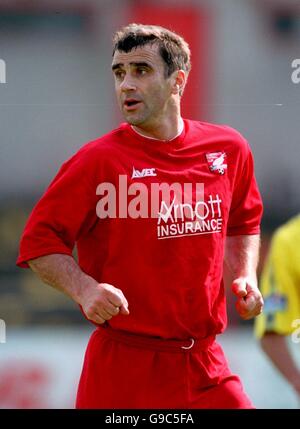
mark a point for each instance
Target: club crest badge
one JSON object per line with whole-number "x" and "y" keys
{"x": 217, "y": 162}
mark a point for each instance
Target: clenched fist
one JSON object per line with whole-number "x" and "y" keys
{"x": 102, "y": 301}
{"x": 250, "y": 302}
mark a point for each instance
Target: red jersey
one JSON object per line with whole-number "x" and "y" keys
{"x": 166, "y": 255}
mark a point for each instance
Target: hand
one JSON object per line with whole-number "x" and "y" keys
{"x": 102, "y": 301}
{"x": 250, "y": 302}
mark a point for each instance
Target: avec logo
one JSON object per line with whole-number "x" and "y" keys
{"x": 145, "y": 172}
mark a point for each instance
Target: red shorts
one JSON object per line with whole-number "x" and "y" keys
{"x": 129, "y": 371}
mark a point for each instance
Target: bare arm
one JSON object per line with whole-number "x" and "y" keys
{"x": 241, "y": 257}
{"x": 99, "y": 301}
{"x": 276, "y": 348}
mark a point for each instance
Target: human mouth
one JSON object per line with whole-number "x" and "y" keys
{"x": 131, "y": 104}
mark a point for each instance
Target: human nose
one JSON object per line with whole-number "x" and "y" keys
{"x": 127, "y": 84}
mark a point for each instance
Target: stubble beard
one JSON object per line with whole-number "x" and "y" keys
{"x": 146, "y": 119}
{"x": 136, "y": 119}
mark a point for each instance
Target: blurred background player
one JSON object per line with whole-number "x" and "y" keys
{"x": 280, "y": 286}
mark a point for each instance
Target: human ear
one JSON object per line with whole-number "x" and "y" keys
{"x": 179, "y": 82}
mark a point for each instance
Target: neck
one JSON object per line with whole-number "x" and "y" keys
{"x": 164, "y": 131}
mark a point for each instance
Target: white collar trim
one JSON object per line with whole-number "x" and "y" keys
{"x": 181, "y": 126}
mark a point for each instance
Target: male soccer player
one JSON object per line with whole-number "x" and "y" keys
{"x": 149, "y": 206}
{"x": 280, "y": 286}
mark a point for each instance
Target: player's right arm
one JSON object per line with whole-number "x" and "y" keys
{"x": 99, "y": 301}
{"x": 66, "y": 211}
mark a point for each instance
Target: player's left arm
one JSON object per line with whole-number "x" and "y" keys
{"x": 241, "y": 257}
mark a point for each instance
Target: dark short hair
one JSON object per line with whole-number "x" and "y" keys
{"x": 173, "y": 49}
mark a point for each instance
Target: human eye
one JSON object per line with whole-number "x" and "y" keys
{"x": 141, "y": 71}
{"x": 119, "y": 74}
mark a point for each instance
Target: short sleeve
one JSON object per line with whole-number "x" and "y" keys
{"x": 65, "y": 211}
{"x": 279, "y": 287}
{"x": 246, "y": 205}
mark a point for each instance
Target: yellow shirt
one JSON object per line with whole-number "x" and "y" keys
{"x": 280, "y": 281}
